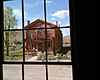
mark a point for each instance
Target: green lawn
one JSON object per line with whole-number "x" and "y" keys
{"x": 14, "y": 55}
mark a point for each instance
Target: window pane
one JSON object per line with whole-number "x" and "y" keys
{"x": 12, "y": 14}
{"x": 60, "y": 49}
{"x": 60, "y": 72}
{"x": 12, "y": 72}
{"x": 34, "y": 72}
{"x": 33, "y": 10}
{"x": 13, "y": 46}
{"x": 58, "y": 12}
{"x": 34, "y": 44}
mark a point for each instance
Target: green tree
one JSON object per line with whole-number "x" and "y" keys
{"x": 10, "y": 22}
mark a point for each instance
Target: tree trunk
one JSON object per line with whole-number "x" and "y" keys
{"x": 7, "y": 43}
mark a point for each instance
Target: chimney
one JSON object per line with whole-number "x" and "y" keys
{"x": 28, "y": 22}
{"x": 57, "y": 23}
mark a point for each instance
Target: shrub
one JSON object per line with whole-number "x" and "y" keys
{"x": 64, "y": 50}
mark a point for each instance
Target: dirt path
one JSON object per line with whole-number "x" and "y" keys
{"x": 32, "y": 58}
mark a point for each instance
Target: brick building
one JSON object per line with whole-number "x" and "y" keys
{"x": 36, "y": 36}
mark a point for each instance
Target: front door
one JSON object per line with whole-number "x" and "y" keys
{"x": 39, "y": 46}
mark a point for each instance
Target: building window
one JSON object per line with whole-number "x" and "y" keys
{"x": 31, "y": 35}
{"x": 40, "y": 33}
{"x": 48, "y": 33}
{"x": 39, "y": 24}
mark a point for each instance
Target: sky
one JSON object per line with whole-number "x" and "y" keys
{"x": 57, "y": 10}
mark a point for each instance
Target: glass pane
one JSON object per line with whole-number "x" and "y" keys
{"x": 33, "y": 10}
{"x": 34, "y": 44}
{"x": 58, "y": 12}
{"x": 13, "y": 46}
{"x": 12, "y": 14}
{"x": 34, "y": 72}
{"x": 66, "y": 37}
{"x": 12, "y": 72}
{"x": 60, "y": 72}
{"x": 59, "y": 46}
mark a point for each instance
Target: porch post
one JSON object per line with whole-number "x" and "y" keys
{"x": 54, "y": 46}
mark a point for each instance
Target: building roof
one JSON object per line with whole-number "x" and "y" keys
{"x": 42, "y": 21}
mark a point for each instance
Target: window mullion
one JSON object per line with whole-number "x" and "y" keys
{"x": 23, "y": 39}
{"x": 46, "y": 38}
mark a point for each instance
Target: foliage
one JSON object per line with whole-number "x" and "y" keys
{"x": 10, "y": 21}
{"x": 64, "y": 50}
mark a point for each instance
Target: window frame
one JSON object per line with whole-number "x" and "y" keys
{"x": 72, "y": 31}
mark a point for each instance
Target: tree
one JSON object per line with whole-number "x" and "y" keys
{"x": 10, "y": 21}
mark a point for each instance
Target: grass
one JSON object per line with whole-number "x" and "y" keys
{"x": 14, "y": 55}
{"x": 18, "y": 55}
